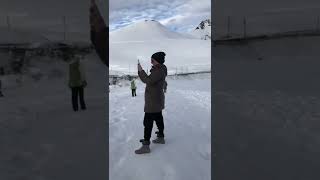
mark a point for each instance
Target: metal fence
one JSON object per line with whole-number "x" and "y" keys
{"x": 172, "y": 70}
{"x": 229, "y": 27}
{"x": 63, "y": 28}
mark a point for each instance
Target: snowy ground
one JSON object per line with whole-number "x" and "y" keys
{"x": 187, "y": 117}
{"x": 266, "y": 112}
{"x": 41, "y": 137}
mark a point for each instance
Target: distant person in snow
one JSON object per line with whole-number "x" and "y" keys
{"x": 77, "y": 83}
{"x": 154, "y": 100}
{"x": 99, "y": 33}
{"x": 133, "y": 88}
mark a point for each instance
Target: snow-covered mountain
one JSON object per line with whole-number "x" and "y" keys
{"x": 203, "y": 30}
{"x": 184, "y": 53}
{"x": 145, "y": 31}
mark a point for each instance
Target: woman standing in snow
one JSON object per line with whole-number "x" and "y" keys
{"x": 77, "y": 83}
{"x": 154, "y": 100}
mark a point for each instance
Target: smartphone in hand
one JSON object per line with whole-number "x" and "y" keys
{"x": 139, "y": 66}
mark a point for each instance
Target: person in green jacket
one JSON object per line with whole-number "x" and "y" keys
{"x": 133, "y": 88}
{"x": 77, "y": 83}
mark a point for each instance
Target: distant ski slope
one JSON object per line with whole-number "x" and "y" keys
{"x": 141, "y": 40}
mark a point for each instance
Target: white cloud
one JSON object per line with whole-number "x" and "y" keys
{"x": 176, "y": 14}
{"x": 179, "y": 15}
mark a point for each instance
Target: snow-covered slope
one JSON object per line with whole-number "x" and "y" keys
{"x": 141, "y": 40}
{"x": 145, "y": 30}
{"x": 203, "y": 30}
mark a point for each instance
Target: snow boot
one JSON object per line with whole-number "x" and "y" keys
{"x": 144, "y": 148}
{"x": 159, "y": 140}
{"x": 158, "y": 134}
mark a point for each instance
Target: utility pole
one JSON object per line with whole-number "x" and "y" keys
{"x": 244, "y": 27}
{"x": 129, "y": 69}
{"x": 228, "y": 35}
{"x": 317, "y": 23}
{"x": 64, "y": 28}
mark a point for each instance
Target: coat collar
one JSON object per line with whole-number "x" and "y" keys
{"x": 156, "y": 66}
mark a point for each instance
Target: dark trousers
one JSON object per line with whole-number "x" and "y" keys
{"x": 134, "y": 92}
{"x": 148, "y": 124}
{"x": 77, "y": 92}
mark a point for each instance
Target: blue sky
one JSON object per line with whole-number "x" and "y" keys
{"x": 177, "y": 15}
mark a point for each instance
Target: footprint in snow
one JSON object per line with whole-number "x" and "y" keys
{"x": 204, "y": 151}
{"x": 115, "y": 120}
{"x": 169, "y": 173}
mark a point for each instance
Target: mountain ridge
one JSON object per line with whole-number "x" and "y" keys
{"x": 146, "y": 30}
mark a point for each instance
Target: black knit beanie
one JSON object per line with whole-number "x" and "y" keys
{"x": 159, "y": 57}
